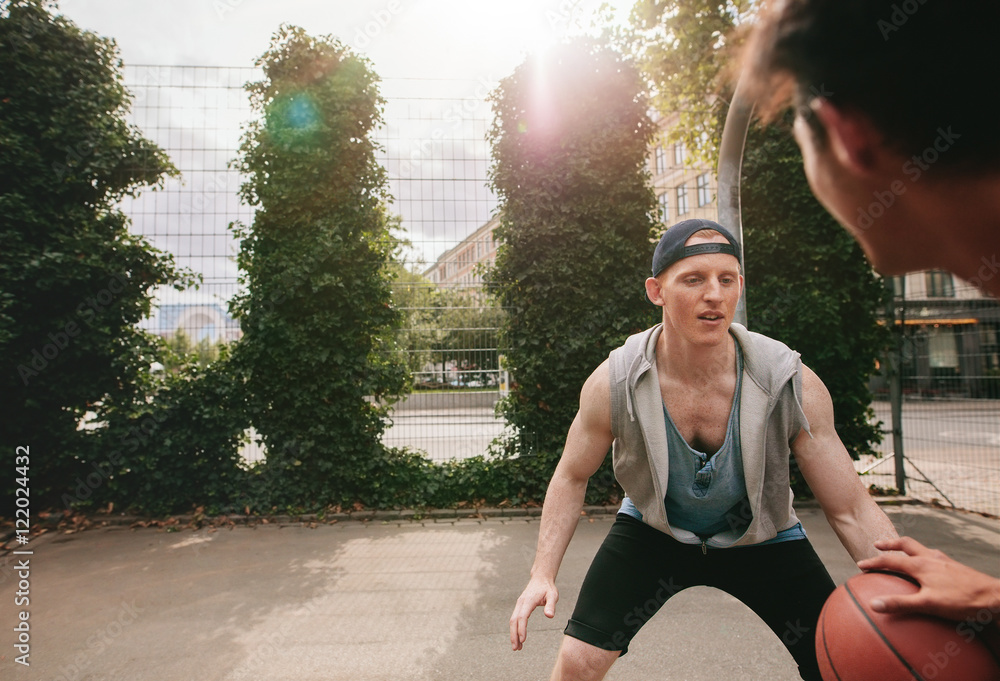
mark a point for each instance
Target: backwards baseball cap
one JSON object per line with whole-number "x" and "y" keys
{"x": 671, "y": 247}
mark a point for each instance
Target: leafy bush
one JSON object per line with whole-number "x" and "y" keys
{"x": 569, "y": 142}
{"x": 73, "y": 281}
{"x": 317, "y": 354}
{"x": 175, "y": 449}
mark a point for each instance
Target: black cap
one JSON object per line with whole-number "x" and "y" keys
{"x": 671, "y": 247}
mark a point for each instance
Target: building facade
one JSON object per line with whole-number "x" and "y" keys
{"x": 682, "y": 190}
{"x": 950, "y": 337}
{"x": 462, "y": 265}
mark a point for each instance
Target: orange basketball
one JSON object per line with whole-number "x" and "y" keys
{"x": 855, "y": 643}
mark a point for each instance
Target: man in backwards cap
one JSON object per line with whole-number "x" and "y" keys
{"x": 703, "y": 416}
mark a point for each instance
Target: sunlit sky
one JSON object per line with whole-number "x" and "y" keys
{"x": 404, "y": 38}
{"x": 476, "y": 43}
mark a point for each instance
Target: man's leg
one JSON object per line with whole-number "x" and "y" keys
{"x": 636, "y": 570}
{"x": 579, "y": 661}
{"x": 786, "y": 584}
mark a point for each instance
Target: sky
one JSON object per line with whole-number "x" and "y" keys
{"x": 403, "y": 38}
{"x": 465, "y": 46}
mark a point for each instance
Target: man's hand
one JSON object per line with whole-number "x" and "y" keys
{"x": 538, "y": 592}
{"x": 948, "y": 588}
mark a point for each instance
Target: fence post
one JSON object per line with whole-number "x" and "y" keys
{"x": 896, "y": 327}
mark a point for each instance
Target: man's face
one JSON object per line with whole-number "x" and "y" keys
{"x": 824, "y": 175}
{"x": 699, "y": 294}
{"x": 850, "y": 189}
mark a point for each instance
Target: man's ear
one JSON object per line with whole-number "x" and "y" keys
{"x": 653, "y": 291}
{"x": 851, "y": 137}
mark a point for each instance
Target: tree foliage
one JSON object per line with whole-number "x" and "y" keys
{"x": 73, "y": 281}
{"x": 317, "y": 313}
{"x": 682, "y": 48}
{"x": 445, "y": 326}
{"x": 569, "y": 143}
{"x": 808, "y": 282}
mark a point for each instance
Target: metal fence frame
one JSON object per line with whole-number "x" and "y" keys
{"x": 436, "y": 157}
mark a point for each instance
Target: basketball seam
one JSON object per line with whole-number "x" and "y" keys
{"x": 889, "y": 645}
{"x": 826, "y": 648}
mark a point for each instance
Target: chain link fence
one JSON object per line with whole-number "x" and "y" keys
{"x": 435, "y": 152}
{"x": 437, "y": 159}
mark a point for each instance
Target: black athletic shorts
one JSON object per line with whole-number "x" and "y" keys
{"x": 638, "y": 568}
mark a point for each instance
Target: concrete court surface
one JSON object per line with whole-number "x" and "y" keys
{"x": 405, "y": 600}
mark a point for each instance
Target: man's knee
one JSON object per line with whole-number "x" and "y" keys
{"x": 581, "y": 661}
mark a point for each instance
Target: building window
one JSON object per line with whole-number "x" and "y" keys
{"x": 664, "y": 199}
{"x": 682, "y": 200}
{"x": 661, "y": 160}
{"x": 679, "y": 154}
{"x": 942, "y": 350}
{"x": 704, "y": 195}
{"x": 939, "y": 284}
{"x": 989, "y": 342}
{"x": 899, "y": 286}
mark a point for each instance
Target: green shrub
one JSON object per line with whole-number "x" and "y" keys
{"x": 73, "y": 281}
{"x": 318, "y": 351}
{"x": 575, "y": 234}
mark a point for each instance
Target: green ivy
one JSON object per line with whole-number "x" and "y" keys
{"x": 176, "y": 448}
{"x": 569, "y": 142}
{"x": 318, "y": 352}
{"x": 73, "y": 281}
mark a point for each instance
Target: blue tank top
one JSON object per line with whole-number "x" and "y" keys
{"x": 707, "y": 494}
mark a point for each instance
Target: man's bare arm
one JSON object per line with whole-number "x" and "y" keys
{"x": 827, "y": 467}
{"x": 586, "y": 447}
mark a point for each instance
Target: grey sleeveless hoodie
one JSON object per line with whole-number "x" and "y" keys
{"x": 771, "y": 417}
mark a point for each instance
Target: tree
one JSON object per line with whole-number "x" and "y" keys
{"x": 180, "y": 352}
{"x": 319, "y": 326}
{"x": 74, "y": 280}
{"x": 569, "y": 142}
{"x": 445, "y": 325}
{"x": 682, "y": 48}
{"x": 419, "y": 301}
{"x": 467, "y": 335}
{"x": 808, "y": 282}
